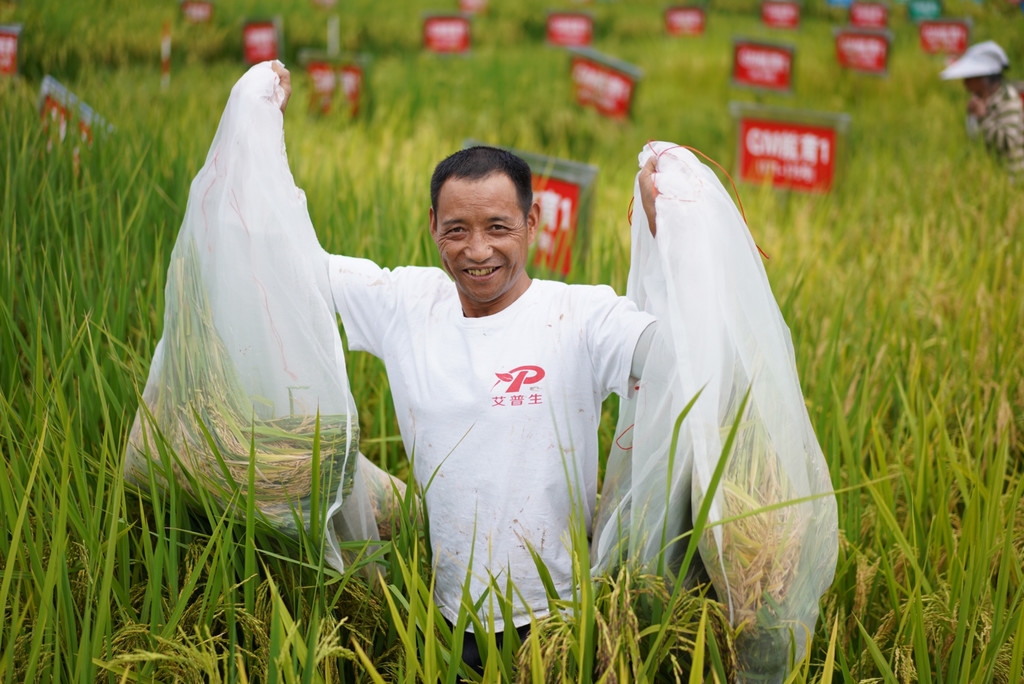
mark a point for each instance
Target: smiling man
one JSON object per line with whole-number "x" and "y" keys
{"x": 497, "y": 380}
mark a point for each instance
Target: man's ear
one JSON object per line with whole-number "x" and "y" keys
{"x": 532, "y": 221}
{"x": 433, "y": 223}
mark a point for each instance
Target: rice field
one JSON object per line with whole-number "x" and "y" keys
{"x": 902, "y": 288}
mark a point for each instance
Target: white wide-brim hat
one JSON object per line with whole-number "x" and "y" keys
{"x": 982, "y": 59}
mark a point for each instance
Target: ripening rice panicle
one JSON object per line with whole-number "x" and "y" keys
{"x": 199, "y": 392}
{"x": 761, "y": 544}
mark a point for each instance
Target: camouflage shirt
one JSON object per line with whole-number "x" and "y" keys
{"x": 1002, "y": 128}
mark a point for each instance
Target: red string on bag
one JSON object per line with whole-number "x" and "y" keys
{"x": 735, "y": 191}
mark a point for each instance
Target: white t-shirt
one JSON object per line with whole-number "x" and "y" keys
{"x": 494, "y": 412}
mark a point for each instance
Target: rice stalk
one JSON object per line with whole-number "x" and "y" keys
{"x": 646, "y": 630}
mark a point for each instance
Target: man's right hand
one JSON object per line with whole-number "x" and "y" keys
{"x": 285, "y": 82}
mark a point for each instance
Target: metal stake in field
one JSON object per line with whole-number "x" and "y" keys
{"x": 165, "y": 56}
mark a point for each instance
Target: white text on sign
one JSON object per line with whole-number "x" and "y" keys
{"x": 608, "y": 90}
{"x": 944, "y": 37}
{"x": 262, "y": 38}
{"x": 555, "y": 216}
{"x": 789, "y": 146}
{"x": 570, "y": 29}
{"x": 790, "y": 155}
{"x": 447, "y": 34}
{"x": 865, "y": 50}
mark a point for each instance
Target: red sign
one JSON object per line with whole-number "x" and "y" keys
{"x": 570, "y": 29}
{"x": 866, "y": 51}
{"x": 9, "y": 50}
{"x": 56, "y": 107}
{"x": 789, "y": 155}
{"x": 782, "y": 14}
{"x": 351, "y": 76}
{"x": 326, "y": 77}
{"x": 559, "y": 209}
{"x": 197, "y": 11}
{"x": 607, "y": 89}
{"x": 259, "y": 40}
{"x": 944, "y": 36}
{"x": 758, "y": 65}
{"x": 870, "y": 15}
{"x": 685, "y": 21}
{"x": 473, "y": 6}
{"x": 324, "y": 84}
{"x": 446, "y": 33}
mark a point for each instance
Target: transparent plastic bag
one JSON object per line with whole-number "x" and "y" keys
{"x": 771, "y": 541}
{"x": 250, "y": 357}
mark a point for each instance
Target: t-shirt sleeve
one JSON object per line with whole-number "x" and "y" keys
{"x": 365, "y": 296}
{"x": 613, "y": 328}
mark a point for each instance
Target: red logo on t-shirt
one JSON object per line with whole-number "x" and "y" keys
{"x": 518, "y": 376}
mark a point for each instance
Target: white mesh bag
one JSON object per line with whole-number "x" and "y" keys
{"x": 250, "y": 357}
{"x": 770, "y": 545}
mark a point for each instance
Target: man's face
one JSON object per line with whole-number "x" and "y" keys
{"x": 483, "y": 239}
{"x": 977, "y": 86}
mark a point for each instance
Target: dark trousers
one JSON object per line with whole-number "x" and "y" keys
{"x": 471, "y": 653}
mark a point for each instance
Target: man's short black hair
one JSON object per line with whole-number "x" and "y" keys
{"x": 480, "y": 161}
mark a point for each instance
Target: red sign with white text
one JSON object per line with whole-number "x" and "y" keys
{"x": 324, "y": 84}
{"x": 782, "y": 14}
{"x": 570, "y": 29}
{"x": 608, "y": 90}
{"x": 865, "y": 51}
{"x": 446, "y": 34}
{"x": 869, "y": 15}
{"x": 259, "y": 40}
{"x": 758, "y": 65}
{"x": 559, "y": 209}
{"x": 473, "y": 6}
{"x": 944, "y": 36}
{"x": 685, "y": 21}
{"x": 351, "y": 76}
{"x": 789, "y": 155}
{"x": 9, "y": 50}
{"x": 197, "y": 11}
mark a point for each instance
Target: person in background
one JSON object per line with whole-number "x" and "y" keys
{"x": 995, "y": 109}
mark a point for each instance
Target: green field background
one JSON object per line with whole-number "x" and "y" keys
{"x": 902, "y": 288}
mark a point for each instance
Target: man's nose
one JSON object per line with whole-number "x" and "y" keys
{"x": 479, "y": 245}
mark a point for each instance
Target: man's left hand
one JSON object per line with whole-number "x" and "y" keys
{"x": 285, "y": 79}
{"x": 649, "y": 191}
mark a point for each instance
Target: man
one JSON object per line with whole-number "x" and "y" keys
{"x": 497, "y": 380}
{"x": 994, "y": 109}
